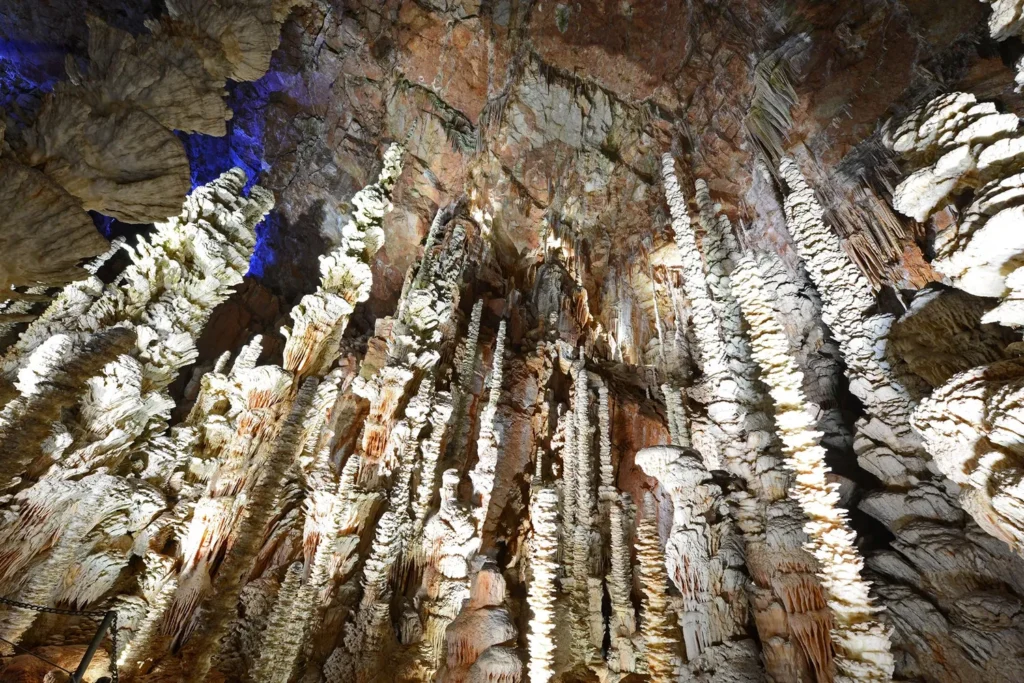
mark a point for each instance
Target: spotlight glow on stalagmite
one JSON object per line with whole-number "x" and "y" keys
{"x": 861, "y": 641}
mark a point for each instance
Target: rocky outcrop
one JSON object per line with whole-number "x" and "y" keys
{"x": 969, "y": 428}
{"x": 978, "y": 149}
{"x": 104, "y": 140}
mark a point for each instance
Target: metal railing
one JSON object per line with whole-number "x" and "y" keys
{"x": 108, "y": 623}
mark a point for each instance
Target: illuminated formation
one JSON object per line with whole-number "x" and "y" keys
{"x": 523, "y": 343}
{"x": 861, "y": 642}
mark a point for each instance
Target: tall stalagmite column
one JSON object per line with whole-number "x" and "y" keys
{"x": 862, "y": 643}
{"x": 788, "y": 603}
{"x": 541, "y": 595}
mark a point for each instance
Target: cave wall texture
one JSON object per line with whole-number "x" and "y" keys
{"x": 513, "y": 340}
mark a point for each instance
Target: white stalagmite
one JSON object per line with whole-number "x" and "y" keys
{"x": 712, "y": 356}
{"x": 587, "y": 591}
{"x": 166, "y": 295}
{"x": 488, "y": 445}
{"x": 678, "y": 424}
{"x": 219, "y": 608}
{"x": 661, "y": 641}
{"x": 321, "y": 318}
{"x": 41, "y": 585}
{"x": 604, "y": 422}
{"x": 689, "y": 546}
{"x": 159, "y": 585}
{"x": 622, "y": 623}
{"x": 923, "y": 568}
{"x": 541, "y": 594}
{"x": 861, "y": 641}
{"x": 789, "y": 606}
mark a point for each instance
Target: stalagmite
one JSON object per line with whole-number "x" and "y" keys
{"x": 861, "y": 642}
{"x": 476, "y": 639}
{"x": 622, "y": 623}
{"x": 216, "y": 613}
{"x": 399, "y": 428}
{"x": 920, "y": 571}
{"x": 320, "y": 318}
{"x": 789, "y": 609}
{"x": 39, "y": 589}
{"x": 488, "y": 446}
{"x": 467, "y": 375}
{"x": 661, "y": 641}
{"x": 162, "y": 300}
{"x": 541, "y": 597}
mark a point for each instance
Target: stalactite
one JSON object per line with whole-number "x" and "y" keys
{"x": 660, "y": 639}
{"x": 862, "y": 643}
{"x": 541, "y": 595}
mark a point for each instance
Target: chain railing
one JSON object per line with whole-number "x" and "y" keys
{"x": 108, "y": 621}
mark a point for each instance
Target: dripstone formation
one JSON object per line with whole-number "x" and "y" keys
{"x": 512, "y": 342}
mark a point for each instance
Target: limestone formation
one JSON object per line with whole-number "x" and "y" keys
{"x": 320, "y": 318}
{"x": 788, "y": 603}
{"x": 542, "y": 596}
{"x": 104, "y": 139}
{"x": 968, "y": 426}
{"x": 661, "y": 639}
{"x": 915, "y": 505}
{"x": 861, "y": 642}
{"x": 399, "y": 428}
{"x": 46, "y": 232}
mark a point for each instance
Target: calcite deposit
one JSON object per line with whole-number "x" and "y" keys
{"x": 498, "y": 342}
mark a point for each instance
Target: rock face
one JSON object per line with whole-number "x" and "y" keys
{"x": 684, "y": 347}
{"x": 104, "y": 141}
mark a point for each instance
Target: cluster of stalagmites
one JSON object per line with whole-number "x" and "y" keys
{"x": 100, "y": 487}
{"x": 344, "y": 520}
{"x": 103, "y": 140}
{"x": 942, "y": 578}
